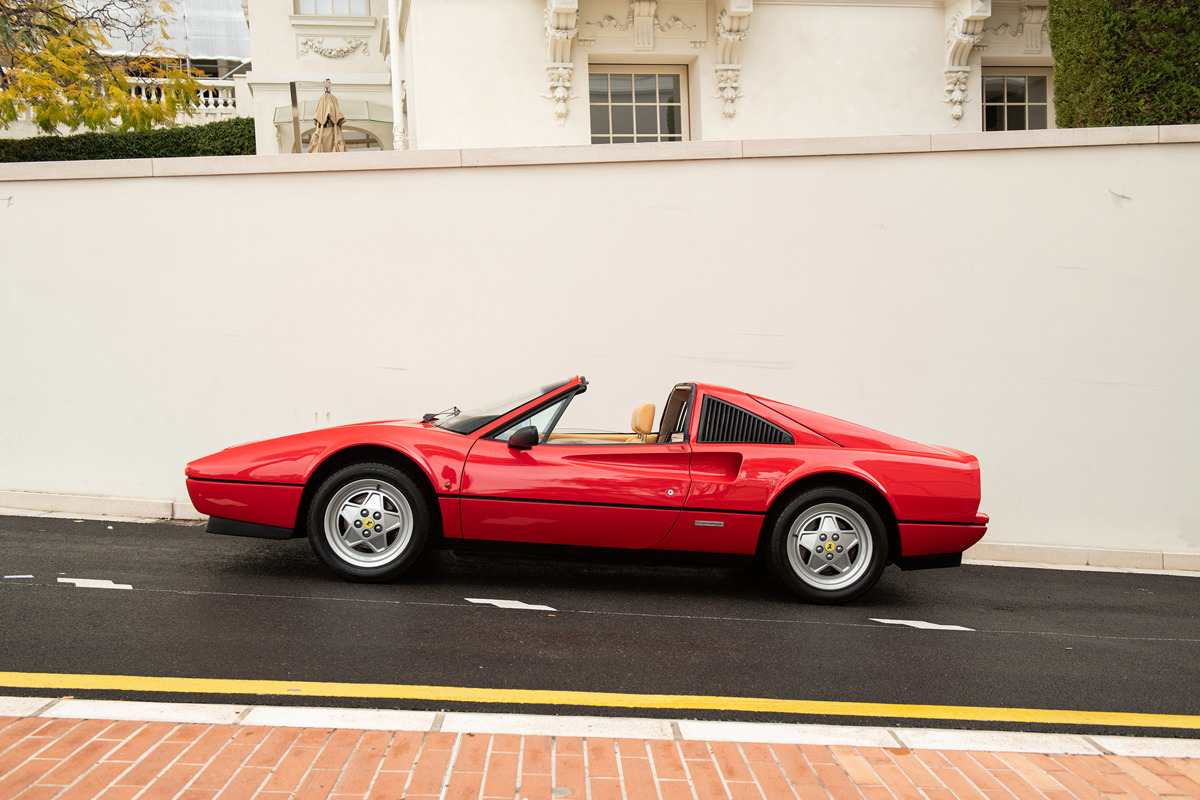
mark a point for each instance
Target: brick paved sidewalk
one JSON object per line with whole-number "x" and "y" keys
{"x": 43, "y": 758}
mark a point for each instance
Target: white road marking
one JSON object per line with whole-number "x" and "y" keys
{"x": 509, "y": 604}
{"x": 6, "y": 577}
{"x": 926, "y": 626}
{"x": 90, "y": 583}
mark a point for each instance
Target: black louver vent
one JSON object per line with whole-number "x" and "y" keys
{"x": 722, "y": 423}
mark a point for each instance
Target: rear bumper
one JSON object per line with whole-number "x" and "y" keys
{"x": 937, "y": 538}
{"x": 272, "y": 504}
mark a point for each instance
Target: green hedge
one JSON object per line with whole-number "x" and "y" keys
{"x": 231, "y": 137}
{"x": 1125, "y": 62}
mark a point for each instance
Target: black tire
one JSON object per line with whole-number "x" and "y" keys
{"x": 842, "y": 531}
{"x": 368, "y": 522}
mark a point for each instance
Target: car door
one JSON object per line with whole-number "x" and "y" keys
{"x": 598, "y": 495}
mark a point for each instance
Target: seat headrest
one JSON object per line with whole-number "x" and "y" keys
{"x": 643, "y": 419}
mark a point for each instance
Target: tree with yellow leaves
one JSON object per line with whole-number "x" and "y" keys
{"x": 56, "y": 61}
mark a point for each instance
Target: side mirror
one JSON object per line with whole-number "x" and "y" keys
{"x": 523, "y": 438}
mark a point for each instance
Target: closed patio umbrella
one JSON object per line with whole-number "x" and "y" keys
{"x": 327, "y": 138}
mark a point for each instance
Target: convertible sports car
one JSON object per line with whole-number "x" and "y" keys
{"x": 827, "y": 503}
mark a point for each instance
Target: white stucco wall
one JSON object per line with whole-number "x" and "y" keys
{"x": 1034, "y": 306}
{"x": 826, "y": 70}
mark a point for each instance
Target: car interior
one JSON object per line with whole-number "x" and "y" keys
{"x": 672, "y": 427}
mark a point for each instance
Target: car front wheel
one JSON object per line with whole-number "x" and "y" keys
{"x": 828, "y": 545}
{"x": 368, "y": 522}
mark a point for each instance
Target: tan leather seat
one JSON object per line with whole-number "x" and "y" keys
{"x": 643, "y": 424}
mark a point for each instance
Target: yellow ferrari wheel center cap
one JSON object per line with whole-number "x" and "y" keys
{"x": 829, "y": 547}
{"x": 369, "y": 523}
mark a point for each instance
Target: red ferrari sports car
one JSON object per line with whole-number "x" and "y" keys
{"x": 827, "y": 503}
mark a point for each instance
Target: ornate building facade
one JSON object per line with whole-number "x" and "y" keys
{"x": 433, "y": 74}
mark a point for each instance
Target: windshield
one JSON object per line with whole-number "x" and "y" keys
{"x": 473, "y": 419}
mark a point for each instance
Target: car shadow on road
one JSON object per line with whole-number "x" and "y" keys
{"x": 522, "y": 575}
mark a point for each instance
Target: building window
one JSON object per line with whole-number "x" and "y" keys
{"x": 638, "y": 104}
{"x": 1018, "y": 99}
{"x": 356, "y": 8}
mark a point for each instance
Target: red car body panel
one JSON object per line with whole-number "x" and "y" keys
{"x": 271, "y": 504}
{"x": 847, "y": 434}
{"x": 565, "y": 524}
{"x": 688, "y": 496}
{"x": 920, "y": 539}
{"x": 621, "y": 495}
{"x": 698, "y": 531}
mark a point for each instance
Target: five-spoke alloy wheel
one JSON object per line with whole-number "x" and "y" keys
{"x": 368, "y": 522}
{"x": 828, "y": 545}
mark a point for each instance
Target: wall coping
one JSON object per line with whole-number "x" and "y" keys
{"x": 597, "y": 153}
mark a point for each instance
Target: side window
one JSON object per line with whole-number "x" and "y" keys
{"x": 543, "y": 419}
{"x": 673, "y": 427}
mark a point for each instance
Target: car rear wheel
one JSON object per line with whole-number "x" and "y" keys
{"x": 368, "y": 522}
{"x": 828, "y": 545}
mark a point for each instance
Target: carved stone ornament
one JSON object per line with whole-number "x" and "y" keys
{"x": 587, "y": 37}
{"x": 964, "y": 33}
{"x": 562, "y": 26}
{"x": 644, "y": 21}
{"x": 1032, "y": 26}
{"x": 317, "y": 45}
{"x": 730, "y": 91}
{"x": 956, "y": 91}
{"x": 1033, "y": 20}
{"x": 560, "y": 89}
{"x": 732, "y": 26}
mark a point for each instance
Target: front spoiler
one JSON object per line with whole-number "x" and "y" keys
{"x": 232, "y": 527}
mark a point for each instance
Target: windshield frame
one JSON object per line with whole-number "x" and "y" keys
{"x": 493, "y": 416}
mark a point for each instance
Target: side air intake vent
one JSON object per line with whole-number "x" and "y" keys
{"x": 723, "y": 423}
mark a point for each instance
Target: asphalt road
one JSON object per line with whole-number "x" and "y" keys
{"x": 222, "y": 607}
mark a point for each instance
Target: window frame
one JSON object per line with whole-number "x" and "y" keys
{"x": 298, "y": 12}
{"x": 607, "y": 68}
{"x": 502, "y": 433}
{"x": 992, "y": 71}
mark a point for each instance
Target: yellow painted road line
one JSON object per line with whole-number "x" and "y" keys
{"x": 682, "y": 702}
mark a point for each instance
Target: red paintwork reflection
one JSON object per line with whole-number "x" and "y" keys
{"x": 638, "y": 477}
{"x": 931, "y": 540}
{"x": 760, "y": 471}
{"x": 566, "y": 524}
{"x": 286, "y": 460}
{"x": 292, "y": 459}
{"x": 713, "y": 532}
{"x": 259, "y": 503}
{"x": 926, "y": 490}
